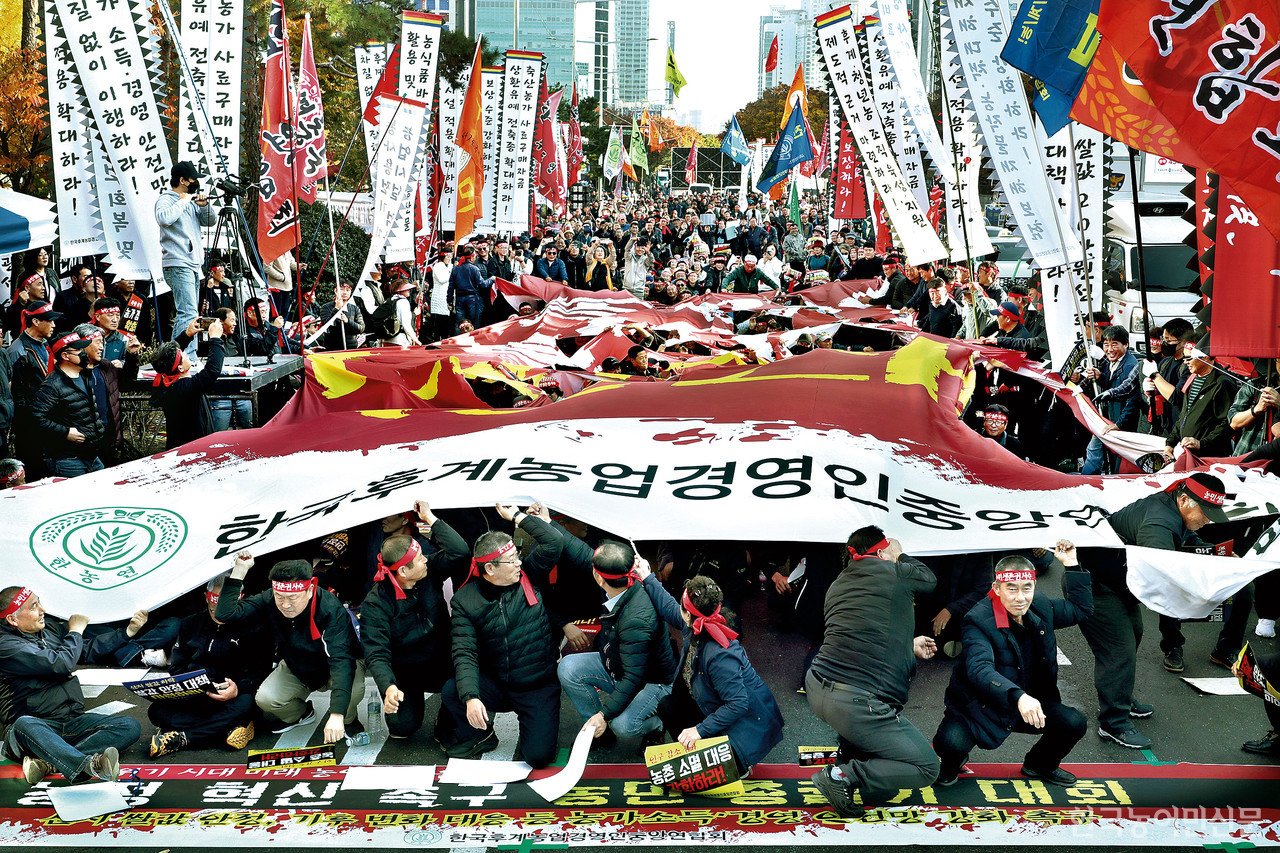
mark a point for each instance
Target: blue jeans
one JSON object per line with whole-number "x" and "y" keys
{"x": 583, "y": 675}
{"x": 469, "y": 306}
{"x": 1097, "y": 458}
{"x": 223, "y": 410}
{"x": 68, "y": 745}
{"x": 185, "y": 284}
{"x": 72, "y": 466}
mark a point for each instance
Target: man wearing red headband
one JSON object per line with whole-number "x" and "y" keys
{"x": 234, "y": 656}
{"x": 1007, "y": 680}
{"x": 28, "y": 364}
{"x": 41, "y": 702}
{"x": 859, "y": 679}
{"x": 316, "y": 642}
{"x": 617, "y": 689}
{"x": 67, "y": 421}
{"x": 1166, "y": 520}
{"x": 504, "y": 647}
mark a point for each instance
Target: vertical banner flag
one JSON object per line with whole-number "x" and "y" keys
{"x": 850, "y": 196}
{"x": 549, "y": 180}
{"x": 491, "y": 107}
{"x": 838, "y": 42}
{"x": 404, "y": 133}
{"x": 898, "y": 130}
{"x": 213, "y": 43}
{"x": 1217, "y": 79}
{"x": 419, "y": 50}
{"x": 435, "y": 170}
{"x": 691, "y": 165}
{"x": 655, "y": 136}
{"x": 793, "y": 148}
{"x": 823, "y": 160}
{"x": 613, "y": 154}
{"x": 450, "y": 110}
{"x": 523, "y": 69}
{"x": 277, "y": 213}
{"x": 771, "y": 61}
{"x": 797, "y": 96}
{"x": 995, "y": 89}
{"x": 966, "y": 229}
{"x": 673, "y": 75}
{"x": 735, "y": 144}
{"x": 574, "y": 152}
{"x": 470, "y": 143}
{"x": 371, "y": 60}
{"x": 1246, "y": 280}
{"x": 313, "y": 159}
{"x": 638, "y": 154}
{"x": 108, "y": 59}
{"x": 74, "y": 183}
{"x": 1053, "y": 42}
{"x": 1080, "y": 197}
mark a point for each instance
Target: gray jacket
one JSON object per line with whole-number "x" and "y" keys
{"x": 180, "y": 220}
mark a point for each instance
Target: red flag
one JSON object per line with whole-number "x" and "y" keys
{"x": 883, "y": 238}
{"x": 436, "y": 170}
{"x": 824, "y": 152}
{"x": 1246, "y": 280}
{"x": 421, "y": 236}
{"x": 573, "y": 156}
{"x": 935, "y": 206}
{"x": 771, "y": 62}
{"x": 548, "y": 179}
{"x": 691, "y": 165}
{"x": 1214, "y": 76}
{"x": 314, "y": 163}
{"x": 851, "y": 197}
{"x": 470, "y": 141}
{"x": 388, "y": 84}
{"x": 277, "y": 197}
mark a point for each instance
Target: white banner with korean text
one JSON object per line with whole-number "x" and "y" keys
{"x": 404, "y": 143}
{"x": 966, "y": 228}
{"x": 450, "y": 112}
{"x": 371, "y": 60}
{"x": 523, "y": 70}
{"x": 420, "y": 34}
{"x": 900, "y": 132}
{"x": 213, "y": 44}
{"x": 491, "y": 80}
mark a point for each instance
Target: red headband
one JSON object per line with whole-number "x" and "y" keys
{"x": 477, "y": 569}
{"x": 58, "y": 346}
{"x": 629, "y": 574}
{"x": 871, "y": 552}
{"x": 302, "y": 586}
{"x": 171, "y": 376}
{"x": 12, "y": 478}
{"x": 1015, "y": 575}
{"x": 385, "y": 571}
{"x": 18, "y": 600}
{"x": 713, "y": 624}
{"x": 102, "y": 311}
{"x": 212, "y": 597}
{"x": 1200, "y": 490}
{"x": 47, "y": 308}
{"x": 995, "y": 416}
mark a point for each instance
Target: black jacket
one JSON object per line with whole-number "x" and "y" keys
{"x": 985, "y": 688}
{"x": 37, "y": 671}
{"x": 575, "y": 271}
{"x": 314, "y": 662}
{"x": 234, "y": 650}
{"x": 634, "y": 647}
{"x": 943, "y": 320}
{"x": 183, "y": 401}
{"x": 63, "y": 403}
{"x": 1206, "y": 418}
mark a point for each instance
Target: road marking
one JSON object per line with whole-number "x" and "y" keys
{"x": 301, "y": 736}
{"x": 112, "y": 708}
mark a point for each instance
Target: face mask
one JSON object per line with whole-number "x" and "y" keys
{"x": 1168, "y": 348}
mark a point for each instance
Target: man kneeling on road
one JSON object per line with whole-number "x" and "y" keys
{"x": 1008, "y": 680}
{"x": 41, "y": 702}
{"x": 317, "y": 642}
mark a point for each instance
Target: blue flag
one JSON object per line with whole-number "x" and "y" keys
{"x": 1054, "y": 41}
{"x": 793, "y": 148}
{"x": 735, "y": 144}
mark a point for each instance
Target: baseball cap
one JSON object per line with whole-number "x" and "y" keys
{"x": 1008, "y": 309}
{"x": 184, "y": 169}
{"x": 1207, "y": 491}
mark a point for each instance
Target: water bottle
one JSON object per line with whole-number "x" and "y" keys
{"x": 358, "y": 739}
{"x": 375, "y": 715}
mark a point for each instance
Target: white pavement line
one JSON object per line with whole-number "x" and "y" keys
{"x": 92, "y": 691}
{"x": 1062, "y": 659}
{"x": 368, "y": 754}
{"x": 507, "y": 725}
{"x": 111, "y": 677}
{"x": 299, "y": 737}
{"x": 112, "y": 708}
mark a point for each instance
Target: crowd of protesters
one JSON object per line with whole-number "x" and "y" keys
{"x": 530, "y": 583}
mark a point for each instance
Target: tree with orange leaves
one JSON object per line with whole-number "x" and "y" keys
{"x": 24, "y": 128}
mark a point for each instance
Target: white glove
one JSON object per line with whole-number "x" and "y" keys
{"x": 1149, "y": 385}
{"x": 1149, "y": 367}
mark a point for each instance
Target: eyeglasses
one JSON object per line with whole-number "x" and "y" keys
{"x": 517, "y": 561}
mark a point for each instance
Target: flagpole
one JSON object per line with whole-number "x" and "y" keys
{"x": 290, "y": 99}
{"x": 1084, "y": 249}
{"x": 1142, "y": 263}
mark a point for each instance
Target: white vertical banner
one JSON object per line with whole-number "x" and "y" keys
{"x": 900, "y": 132}
{"x": 450, "y": 112}
{"x": 108, "y": 58}
{"x": 420, "y": 34}
{"x": 371, "y": 60}
{"x": 1057, "y": 283}
{"x": 995, "y": 90}
{"x": 522, "y": 72}
{"x": 120, "y": 231}
{"x": 838, "y": 42}
{"x": 213, "y": 43}
{"x": 960, "y": 134}
{"x": 491, "y": 80}
{"x": 404, "y": 147}
{"x": 71, "y": 131}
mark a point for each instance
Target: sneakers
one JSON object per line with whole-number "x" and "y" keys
{"x": 1268, "y": 744}
{"x": 657, "y": 737}
{"x": 155, "y": 657}
{"x": 37, "y": 769}
{"x": 474, "y": 748}
{"x": 946, "y": 780}
{"x": 1130, "y": 737}
{"x": 1056, "y": 776}
{"x": 839, "y": 794}
{"x": 1173, "y": 660}
{"x": 166, "y": 743}
{"x": 308, "y": 716}
{"x": 1222, "y": 658}
{"x": 952, "y": 648}
{"x": 240, "y": 736}
{"x": 1141, "y": 710}
{"x": 1265, "y": 628}
{"x": 105, "y": 765}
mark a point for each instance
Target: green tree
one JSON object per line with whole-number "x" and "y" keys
{"x": 762, "y": 118}
{"x": 456, "y": 53}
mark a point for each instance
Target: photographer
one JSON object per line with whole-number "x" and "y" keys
{"x": 180, "y": 394}
{"x": 181, "y": 211}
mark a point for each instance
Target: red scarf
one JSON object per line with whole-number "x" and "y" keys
{"x": 713, "y": 624}
{"x": 385, "y": 571}
{"x": 171, "y": 376}
{"x": 997, "y": 606}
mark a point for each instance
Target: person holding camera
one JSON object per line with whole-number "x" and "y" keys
{"x": 180, "y": 211}
{"x": 179, "y": 393}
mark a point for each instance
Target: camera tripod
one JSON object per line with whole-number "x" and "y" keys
{"x": 228, "y": 227}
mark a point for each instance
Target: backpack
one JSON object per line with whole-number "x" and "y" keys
{"x": 384, "y": 323}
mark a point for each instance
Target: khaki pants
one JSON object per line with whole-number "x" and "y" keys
{"x": 283, "y": 696}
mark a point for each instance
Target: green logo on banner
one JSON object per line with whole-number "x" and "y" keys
{"x": 107, "y": 547}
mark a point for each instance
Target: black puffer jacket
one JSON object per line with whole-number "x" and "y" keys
{"x": 635, "y": 649}
{"x": 60, "y": 404}
{"x": 406, "y": 641}
{"x": 314, "y": 662}
{"x": 37, "y": 671}
{"x": 237, "y": 651}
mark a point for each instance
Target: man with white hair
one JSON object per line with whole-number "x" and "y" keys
{"x": 747, "y": 278}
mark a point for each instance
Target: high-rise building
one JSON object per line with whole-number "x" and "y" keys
{"x": 604, "y": 53}
{"x": 461, "y": 14}
{"x": 546, "y": 26}
{"x": 795, "y": 36}
{"x": 631, "y": 30}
